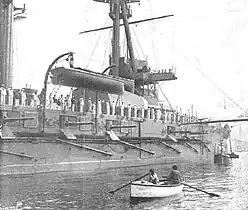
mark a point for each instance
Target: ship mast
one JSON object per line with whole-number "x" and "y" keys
{"x": 145, "y": 80}
{"x": 120, "y": 10}
{"x": 115, "y": 16}
{"x": 128, "y": 36}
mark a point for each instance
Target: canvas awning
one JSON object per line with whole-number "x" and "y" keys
{"x": 129, "y": 98}
{"x": 152, "y": 103}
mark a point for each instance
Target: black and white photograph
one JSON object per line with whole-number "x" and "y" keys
{"x": 123, "y": 104}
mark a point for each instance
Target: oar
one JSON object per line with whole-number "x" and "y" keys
{"x": 128, "y": 183}
{"x": 211, "y": 194}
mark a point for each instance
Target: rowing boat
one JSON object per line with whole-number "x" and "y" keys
{"x": 144, "y": 189}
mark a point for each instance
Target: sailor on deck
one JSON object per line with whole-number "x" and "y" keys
{"x": 73, "y": 103}
{"x": 23, "y": 97}
{"x": 36, "y": 99}
{"x": 17, "y": 96}
{"x": 2, "y": 94}
{"x": 10, "y": 96}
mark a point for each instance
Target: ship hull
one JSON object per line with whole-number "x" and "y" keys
{"x": 85, "y": 166}
{"x": 49, "y": 155}
{"x": 64, "y": 144}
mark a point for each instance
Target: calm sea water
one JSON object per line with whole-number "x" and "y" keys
{"x": 91, "y": 190}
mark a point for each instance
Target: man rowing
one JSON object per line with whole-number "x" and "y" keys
{"x": 153, "y": 178}
{"x": 175, "y": 177}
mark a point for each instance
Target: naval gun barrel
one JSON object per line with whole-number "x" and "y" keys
{"x": 215, "y": 121}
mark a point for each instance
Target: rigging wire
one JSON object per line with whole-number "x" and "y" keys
{"x": 106, "y": 49}
{"x": 153, "y": 43}
{"x": 160, "y": 88}
{"x": 137, "y": 51}
{"x": 94, "y": 49}
{"x": 156, "y": 58}
{"x": 199, "y": 68}
{"x": 140, "y": 47}
{"x": 240, "y": 124}
{"x": 124, "y": 48}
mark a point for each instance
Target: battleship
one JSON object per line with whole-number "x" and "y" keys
{"x": 110, "y": 119}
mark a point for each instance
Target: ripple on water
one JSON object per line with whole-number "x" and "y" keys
{"x": 91, "y": 190}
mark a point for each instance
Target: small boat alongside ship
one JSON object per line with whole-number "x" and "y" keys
{"x": 144, "y": 189}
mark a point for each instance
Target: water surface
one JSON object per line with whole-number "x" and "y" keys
{"x": 91, "y": 190}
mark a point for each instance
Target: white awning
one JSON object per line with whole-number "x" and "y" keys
{"x": 129, "y": 98}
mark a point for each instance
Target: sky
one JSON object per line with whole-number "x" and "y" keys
{"x": 206, "y": 40}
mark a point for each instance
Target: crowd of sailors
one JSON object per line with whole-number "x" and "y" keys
{"x": 75, "y": 104}
{"x": 72, "y": 103}
{"x": 162, "y": 71}
{"x": 18, "y": 97}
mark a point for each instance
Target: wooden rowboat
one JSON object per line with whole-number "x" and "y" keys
{"x": 144, "y": 189}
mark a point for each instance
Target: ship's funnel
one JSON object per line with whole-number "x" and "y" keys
{"x": 6, "y": 43}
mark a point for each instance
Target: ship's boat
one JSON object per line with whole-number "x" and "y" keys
{"x": 144, "y": 189}
{"x": 90, "y": 80}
